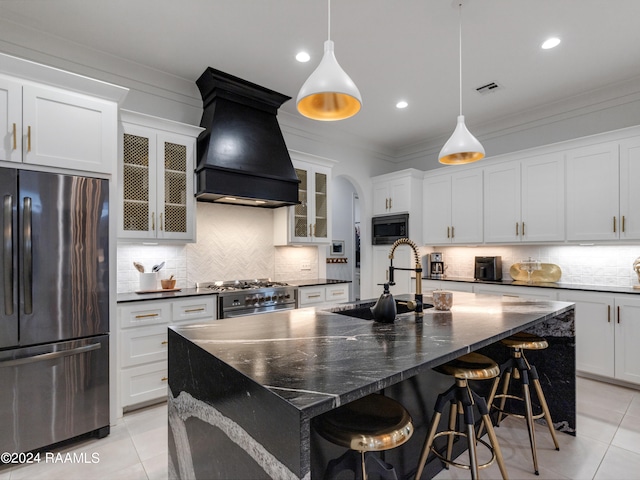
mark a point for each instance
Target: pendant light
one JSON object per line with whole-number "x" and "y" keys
{"x": 329, "y": 94}
{"x": 462, "y": 147}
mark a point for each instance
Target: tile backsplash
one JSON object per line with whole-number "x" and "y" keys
{"x": 587, "y": 265}
{"x": 233, "y": 243}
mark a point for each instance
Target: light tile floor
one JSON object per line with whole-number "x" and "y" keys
{"x": 607, "y": 445}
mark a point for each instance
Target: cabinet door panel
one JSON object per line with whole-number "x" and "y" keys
{"x": 175, "y": 198}
{"x": 10, "y": 120}
{"x": 437, "y": 210}
{"x": 592, "y": 193}
{"x": 629, "y": 191}
{"x": 542, "y": 208}
{"x": 466, "y": 207}
{"x": 627, "y": 335}
{"x": 595, "y": 321}
{"x": 68, "y": 130}
{"x": 502, "y": 203}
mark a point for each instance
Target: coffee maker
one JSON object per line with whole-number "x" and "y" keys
{"x": 435, "y": 265}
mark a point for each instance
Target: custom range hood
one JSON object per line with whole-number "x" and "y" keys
{"x": 242, "y": 157}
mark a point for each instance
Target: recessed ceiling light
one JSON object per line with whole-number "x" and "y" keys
{"x": 402, "y": 104}
{"x": 303, "y": 57}
{"x": 551, "y": 43}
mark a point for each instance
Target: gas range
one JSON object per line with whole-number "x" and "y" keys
{"x": 250, "y": 297}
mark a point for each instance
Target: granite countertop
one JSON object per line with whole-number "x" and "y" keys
{"x": 190, "y": 292}
{"x": 316, "y": 358}
{"x": 314, "y": 282}
{"x": 559, "y": 285}
{"x": 183, "y": 292}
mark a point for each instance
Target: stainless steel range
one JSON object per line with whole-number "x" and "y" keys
{"x": 250, "y": 297}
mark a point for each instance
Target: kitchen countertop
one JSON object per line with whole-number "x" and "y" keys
{"x": 191, "y": 292}
{"x": 290, "y": 366}
{"x": 559, "y": 285}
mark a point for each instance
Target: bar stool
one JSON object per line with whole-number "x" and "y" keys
{"x": 370, "y": 424}
{"x": 472, "y": 366}
{"x": 518, "y": 367}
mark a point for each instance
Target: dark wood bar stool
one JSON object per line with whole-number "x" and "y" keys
{"x": 472, "y": 366}
{"x": 370, "y": 424}
{"x": 517, "y": 367}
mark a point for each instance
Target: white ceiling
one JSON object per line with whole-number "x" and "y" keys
{"x": 392, "y": 49}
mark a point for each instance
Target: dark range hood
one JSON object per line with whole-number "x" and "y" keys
{"x": 242, "y": 157}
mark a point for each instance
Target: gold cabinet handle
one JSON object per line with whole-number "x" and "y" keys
{"x": 164, "y": 343}
{"x": 448, "y": 232}
{"x": 164, "y": 379}
{"x": 314, "y": 230}
{"x": 194, "y": 310}
{"x": 453, "y": 232}
{"x": 29, "y": 138}
{"x": 614, "y": 224}
{"x": 147, "y": 315}
{"x": 523, "y": 229}
{"x": 622, "y": 223}
{"x": 15, "y": 138}
{"x": 313, "y": 296}
{"x": 311, "y": 229}
{"x": 337, "y": 293}
{"x": 608, "y": 313}
{"x": 386, "y": 204}
{"x": 161, "y": 227}
{"x": 153, "y": 221}
{"x": 517, "y": 229}
{"x": 390, "y": 203}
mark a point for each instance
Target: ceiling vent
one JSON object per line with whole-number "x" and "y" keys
{"x": 488, "y": 88}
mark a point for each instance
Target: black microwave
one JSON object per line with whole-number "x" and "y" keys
{"x": 387, "y": 229}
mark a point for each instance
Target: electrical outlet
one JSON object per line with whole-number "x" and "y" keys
{"x": 305, "y": 266}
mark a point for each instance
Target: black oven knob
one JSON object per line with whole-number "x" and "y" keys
{"x": 248, "y": 301}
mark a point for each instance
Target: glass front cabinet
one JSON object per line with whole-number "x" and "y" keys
{"x": 309, "y": 222}
{"x": 156, "y": 171}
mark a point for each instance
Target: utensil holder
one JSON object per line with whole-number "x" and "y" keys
{"x": 148, "y": 281}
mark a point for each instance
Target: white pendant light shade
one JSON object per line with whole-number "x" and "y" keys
{"x": 462, "y": 147}
{"x": 329, "y": 93}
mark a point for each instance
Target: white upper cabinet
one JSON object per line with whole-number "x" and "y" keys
{"x": 52, "y": 127}
{"x": 400, "y": 192}
{"x": 629, "y": 189}
{"x": 452, "y": 211}
{"x": 309, "y": 222}
{"x": 156, "y": 191}
{"x": 524, "y": 200}
{"x": 593, "y": 211}
{"x": 395, "y": 193}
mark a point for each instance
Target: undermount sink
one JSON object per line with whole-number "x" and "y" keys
{"x": 363, "y": 310}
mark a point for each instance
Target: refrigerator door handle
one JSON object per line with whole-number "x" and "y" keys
{"x": 8, "y": 254}
{"x": 27, "y": 270}
{"x": 49, "y": 356}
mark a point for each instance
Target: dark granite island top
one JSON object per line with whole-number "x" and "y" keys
{"x": 244, "y": 390}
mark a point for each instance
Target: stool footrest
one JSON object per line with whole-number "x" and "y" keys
{"x": 466, "y": 466}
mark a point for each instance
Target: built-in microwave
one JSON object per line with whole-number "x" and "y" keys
{"x": 386, "y": 229}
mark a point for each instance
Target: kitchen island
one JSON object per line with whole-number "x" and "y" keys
{"x": 243, "y": 391}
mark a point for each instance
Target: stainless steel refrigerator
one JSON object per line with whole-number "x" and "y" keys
{"x": 54, "y": 313}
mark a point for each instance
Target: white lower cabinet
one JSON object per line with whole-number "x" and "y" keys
{"x": 323, "y": 294}
{"x": 532, "y": 293}
{"x": 142, "y": 343}
{"x": 607, "y": 332}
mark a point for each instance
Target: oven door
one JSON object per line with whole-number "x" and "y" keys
{"x": 230, "y": 312}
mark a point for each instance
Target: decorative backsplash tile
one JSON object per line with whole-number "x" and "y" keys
{"x": 610, "y": 265}
{"x": 233, "y": 243}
